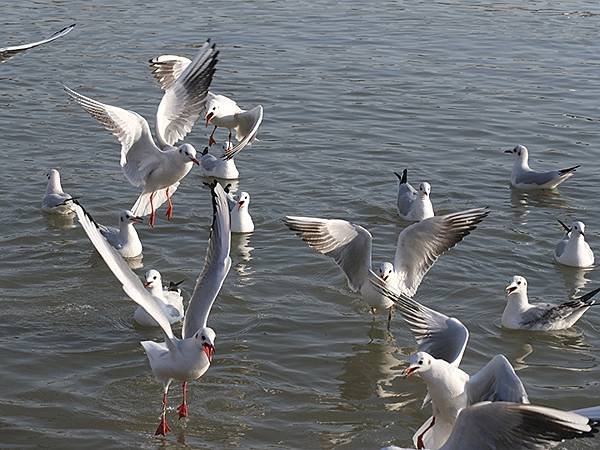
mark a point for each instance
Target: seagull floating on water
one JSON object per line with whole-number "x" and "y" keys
{"x": 572, "y": 250}
{"x": 54, "y": 200}
{"x": 241, "y": 221}
{"x": 419, "y": 246}
{"x": 523, "y": 177}
{"x": 213, "y": 166}
{"x": 519, "y": 314}
{"x": 158, "y": 171}
{"x": 413, "y": 205}
{"x": 124, "y": 238}
{"x": 188, "y": 358}
{"x": 172, "y": 301}
{"x": 8, "y": 52}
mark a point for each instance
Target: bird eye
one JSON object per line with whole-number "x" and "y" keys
{"x": 421, "y": 362}
{"x": 203, "y": 338}
{"x": 121, "y": 219}
{"x": 154, "y": 278}
{"x": 214, "y": 108}
{"x": 518, "y": 282}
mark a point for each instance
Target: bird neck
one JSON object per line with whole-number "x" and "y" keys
{"x": 127, "y": 231}
{"x": 522, "y": 163}
{"x": 54, "y": 186}
{"x": 517, "y": 302}
{"x": 157, "y": 289}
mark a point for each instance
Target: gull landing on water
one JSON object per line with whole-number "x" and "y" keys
{"x": 55, "y": 199}
{"x": 8, "y": 52}
{"x": 158, "y": 171}
{"x": 188, "y": 358}
{"x": 519, "y": 314}
{"x": 522, "y": 177}
{"x": 172, "y": 301}
{"x": 572, "y": 250}
{"x": 412, "y": 205}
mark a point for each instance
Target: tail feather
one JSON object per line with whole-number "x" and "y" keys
{"x": 568, "y": 170}
{"x": 586, "y": 297}
{"x": 142, "y": 207}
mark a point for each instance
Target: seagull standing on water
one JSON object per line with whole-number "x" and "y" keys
{"x": 158, "y": 171}
{"x": 8, "y": 52}
{"x": 54, "y": 200}
{"x": 519, "y": 314}
{"x": 523, "y": 177}
{"x": 572, "y": 250}
{"x": 172, "y": 301}
{"x": 412, "y": 205}
{"x": 418, "y": 248}
{"x": 188, "y": 358}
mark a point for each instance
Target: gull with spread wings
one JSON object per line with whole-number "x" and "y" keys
{"x": 8, "y": 52}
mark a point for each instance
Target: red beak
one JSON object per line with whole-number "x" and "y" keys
{"x": 137, "y": 219}
{"x": 209, "y": 351}
{"x": 209, "y": 116}
{"x": 409, "y": 371}
{"x": 147, "y": 284}
{"x": 195, "y": 161}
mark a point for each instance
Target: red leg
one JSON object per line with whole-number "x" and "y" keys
{"x": 183, "y": 407}
{"x": 211, "y": 139}
{"x": 163, "y": 426}
{"x": 152, "y": 208}
{"x": 170, "y": 207}
{"x": 420, "y": 443}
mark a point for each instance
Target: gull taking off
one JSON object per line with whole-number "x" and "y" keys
{"x": 172, "y": 301}
{"x": 220, "y": 111}
{"x": 55, "y": 199}
{"x": 188, "y": 358}
{"x": 158, "y": 171}
{"x": 419, "y": 246}
{"x": 519, "y": 314}
{"x": 523, "y": 177}
{"x": 572, "y": 250}
{"x": 413, "y": 206}
{"x": 8, "y": 52}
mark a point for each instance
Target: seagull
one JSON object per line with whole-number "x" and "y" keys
{"x": 523, "y": 177}
{"x": 124, "y": 238}
{"x": 241, "y": 222}
{"x": 172, "y": 301}
{"x": 158, "y": 171}
{"x": 188, "y": 358}
{"x": 213, "y": 166}
{"x": 419, "y": 246}
{"x": 519, "y": 314}
{"x": 572, "y": 250}
{"x": 442, "y": 342}
{"x": 8, "y": 52}
{"x": 412, "y": 205}
{"x": 220, "y": 111}
{"x": 54, "y": 199}
{"x": 514, "y": 426}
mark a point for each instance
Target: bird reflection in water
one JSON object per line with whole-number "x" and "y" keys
{"x": 574, "y": 278}
{"x": 60, "y": 221}
{"x": 523, "y": 201}
{"x": 241, "y": 254}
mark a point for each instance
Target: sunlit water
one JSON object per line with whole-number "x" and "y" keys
{"x": 352, "y": 92}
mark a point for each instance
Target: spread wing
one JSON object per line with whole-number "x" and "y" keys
{"x": 216, "y": 265}
{"x": 132, "y": 285}
{"x": 249, "y": 123}
{"x": 139, "y": 153}
{"x": 441, "y": 336}
{"x": 421, "y": 244}
{"x": 8, "y": 52}
{"x": 186, "y": 87}
{"x": 348, "y": 244}
{"x": 511, "y": 426}
{"x": 496, "y": 382}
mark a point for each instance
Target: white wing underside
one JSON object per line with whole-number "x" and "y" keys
{"x": 8, "y": 52}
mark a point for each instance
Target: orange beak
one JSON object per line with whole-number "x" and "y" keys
{"x": 209, "y": 117}
{"x": 209, "y": 351}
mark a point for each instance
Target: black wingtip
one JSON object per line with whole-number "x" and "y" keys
{"x": 174, "y": 286}
{"x": 402, "y": 177}
{"x": 205, "y": 151}
{"x": 569, "y": 169}
{"x": 567, "y": 229}
{"x": 585, "y": 297}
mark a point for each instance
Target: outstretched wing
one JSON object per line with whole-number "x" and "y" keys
{"x": 249, "y": 123}
{"x": 441, "y": 336}
{"x": 496, "y": 382}
{"x": 216, "y": 265}
{"x": 186, "y": 87}
{"x": 139, "y": 153}
{"x": 348, "y": 244}
{"x": 421, "y": 244}
{"x": 8, "y": 52}
{"x": 132, "y": 285}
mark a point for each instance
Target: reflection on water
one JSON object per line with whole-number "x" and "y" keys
{"x": 574, "y": 278}
{"x": 60, "y": 221}
{"x": 241, "y": 256}
{"x": 523, "y": 202}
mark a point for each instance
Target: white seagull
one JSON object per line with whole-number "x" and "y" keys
{"x": 514, "y": 426}
{"x": 418, "y": 248}
{"x": 413, "y": 206}
{"x": 519, "y": 314}
{"x": 8, "y": 52}
{"x": 54, "y": 199}
{"x": 172, "y": 301}
{"x": 572, "y": 250}
{"x": 216, "y": 166}
{"x": 124, "y": 238}
{"x": 188, "y": 358}
{"x": 241, "y": 221}
{"x": 158, "y": 171}
{"x": 523, "y": 177}
{"x": 220, "y": 111}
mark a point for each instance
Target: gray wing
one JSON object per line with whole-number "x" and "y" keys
{"x": 348, "y": 244}
{"x": 592, "y": 413}
{"x": 421, "y": 244}
{"x": 496, "y": 382}
{"x": 513, "y": 426}
{"x": 441, "y": 336}
{"x": 539, "y": 178}
{"x": 8, "y": 52}
{"x": 208, "y": 161}
{"x": 54, "y": 200}
{"x": 249, "y": 124}
{"x": 548, "y": 314}
{"x": 561, "y": 246}
{"x": 216, "y": 265}
{"x": 406, "y": 197}
{"x": 111, "y": 234}
{"x": 184, "y": 99}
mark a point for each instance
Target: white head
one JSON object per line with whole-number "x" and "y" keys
{"x": 518, "y": 285}
{"x": 520, "y": 151}
{"x": 577, "y": 228}
{"x": 205, "y": 339}
{"x": 418, "y": 363}
{"x": 212, "y": 108}
{"x": 424, "y": 189}
{"x": 127, "y": 217}
{"x": 153, "y": 279}
{"x": 243, "y": 200}
{"x": 188, "y": 153}
{"x": 54, "y": 180}
{"x": 386, "y": 270}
